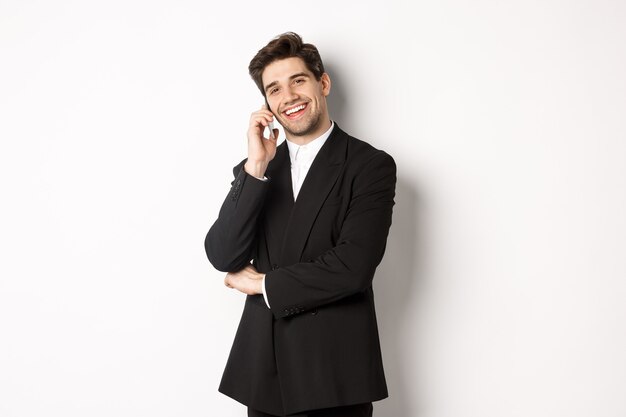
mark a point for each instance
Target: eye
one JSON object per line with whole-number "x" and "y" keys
{"x": 273, "y": 90}
{"x": 299, "y": 80}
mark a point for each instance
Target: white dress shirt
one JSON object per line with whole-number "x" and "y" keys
{"x": 302, "y": 157}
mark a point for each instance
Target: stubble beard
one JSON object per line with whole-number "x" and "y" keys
{"x": 303, "y": 127}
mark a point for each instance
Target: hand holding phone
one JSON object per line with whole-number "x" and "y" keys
{"x": 261, "y": 150}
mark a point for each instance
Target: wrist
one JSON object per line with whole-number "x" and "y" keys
{"x": 255, "y": 168}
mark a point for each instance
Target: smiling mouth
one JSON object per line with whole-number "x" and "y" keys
{"x": 295, "y": 111}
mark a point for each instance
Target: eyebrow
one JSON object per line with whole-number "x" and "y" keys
{"x": 273, "y": 83}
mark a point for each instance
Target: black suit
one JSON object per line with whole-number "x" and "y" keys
{"x": 317, "y": 346}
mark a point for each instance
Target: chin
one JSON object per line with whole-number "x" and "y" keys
{"x": 303, "y": 129}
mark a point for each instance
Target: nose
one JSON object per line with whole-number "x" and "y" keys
{"x": 290, "y": 94}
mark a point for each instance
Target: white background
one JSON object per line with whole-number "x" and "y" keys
{"x": 502, "y": 290}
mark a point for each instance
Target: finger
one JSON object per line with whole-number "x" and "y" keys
{"x": 264, "y": 108}
{"x": 264, "y": 112}
{"x": 261, "y": 120}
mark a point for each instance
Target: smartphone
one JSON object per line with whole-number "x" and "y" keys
{"x": 271, "y": 129}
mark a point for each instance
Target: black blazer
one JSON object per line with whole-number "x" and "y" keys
{"x": 318, "y": 345}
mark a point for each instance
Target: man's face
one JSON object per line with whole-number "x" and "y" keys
{"x": 297, "y": 99}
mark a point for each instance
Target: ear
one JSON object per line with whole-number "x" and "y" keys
{"x": 326, "y": 84}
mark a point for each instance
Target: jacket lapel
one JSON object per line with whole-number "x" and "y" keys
{"x": 315, "y": 189}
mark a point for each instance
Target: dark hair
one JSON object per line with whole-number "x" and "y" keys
{"x": 287, "y": 45}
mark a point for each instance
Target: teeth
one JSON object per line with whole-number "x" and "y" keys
{"x": 295, "y": 109}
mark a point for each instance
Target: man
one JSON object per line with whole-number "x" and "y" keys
{"x": 301, "y": 232}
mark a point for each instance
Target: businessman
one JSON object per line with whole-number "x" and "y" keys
{"x": 301, "y": 232}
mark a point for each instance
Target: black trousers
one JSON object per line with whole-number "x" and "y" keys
{"x": 358, "y": 410}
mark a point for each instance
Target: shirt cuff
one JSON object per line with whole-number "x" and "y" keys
{"x": 260, "y": 179}
{"x": 264, "y": 294}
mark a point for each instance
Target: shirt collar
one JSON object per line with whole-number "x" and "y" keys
{"x": 314, "y": 146}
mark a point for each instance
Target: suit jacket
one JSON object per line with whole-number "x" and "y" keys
{"x": 318, "y": 345}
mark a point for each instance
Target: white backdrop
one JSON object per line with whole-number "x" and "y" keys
{"x": 502, "y": 290}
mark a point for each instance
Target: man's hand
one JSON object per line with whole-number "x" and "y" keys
{"x": 247, "y": 280}
{"x": 260, "y": 150}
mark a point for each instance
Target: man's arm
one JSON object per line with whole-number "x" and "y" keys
{"x": 230, "y": 241}
{"x": 349, "y": 267}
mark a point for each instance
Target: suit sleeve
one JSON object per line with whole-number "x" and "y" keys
{"x": 231, "y": 240}
{"x": 348, "y": 267}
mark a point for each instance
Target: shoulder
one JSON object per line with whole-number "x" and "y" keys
{"x": 361, "y": 153}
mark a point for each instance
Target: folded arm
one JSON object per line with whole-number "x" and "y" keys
{"x": 349, "y": 266}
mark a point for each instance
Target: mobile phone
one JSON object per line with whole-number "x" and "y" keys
{"x": 270, "y": 126}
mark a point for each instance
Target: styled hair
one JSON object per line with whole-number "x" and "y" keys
{"x": 286, "y": 45}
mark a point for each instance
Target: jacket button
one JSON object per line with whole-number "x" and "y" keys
{"x": 274, "y": 267}
{"x": 314, "y": 312}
